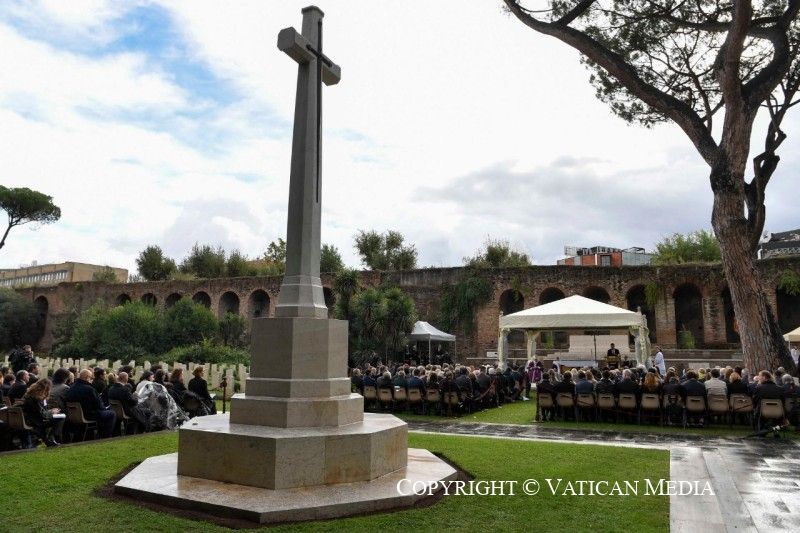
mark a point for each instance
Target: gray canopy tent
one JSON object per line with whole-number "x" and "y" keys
{"x": 425, "y": 332}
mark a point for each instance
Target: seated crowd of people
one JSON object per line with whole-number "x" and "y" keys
{"x": 475, "y": 387}
{"x": 106, "y": 398}
{"x": 672, "y": 390}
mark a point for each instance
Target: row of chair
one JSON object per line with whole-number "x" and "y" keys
{"x": 433, "y": 399}
{"x": 654, "y": 405}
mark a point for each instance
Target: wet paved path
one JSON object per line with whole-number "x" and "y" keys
{"x": 756, "y": 482}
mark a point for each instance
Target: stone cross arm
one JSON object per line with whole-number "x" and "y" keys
{"x": 298, "y": 48}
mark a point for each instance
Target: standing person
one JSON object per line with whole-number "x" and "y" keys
{"x": 660, "y": 363}
{"x": 795, "y": 355}
{"x": 22, "y": 359}
{"x": 530, "y": 370}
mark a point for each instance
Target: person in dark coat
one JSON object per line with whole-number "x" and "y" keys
{"x": 628, "y": 386}
{"x": 93, "y": 409}
{"x": 583, "y": 386}
{"x": 100, "y": 382}
{"x": 19, "y": 387}
{"x": 121, "y": 393}
{"x": 693, "y": 387}
{"x": 605, "y": 385}
{"x": 736, "y": 385}
{"x": 767, "y": 389}
{"x": 199, "y": 386}
{"x": 416, "y": 383}
{"x": 38, "y": 416}
{"x": 566, "y": 385}
{"x": 22, "y": 359}
{"x": 546, "y": 387}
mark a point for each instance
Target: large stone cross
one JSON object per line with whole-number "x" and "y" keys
{"x": 301, "y": 291}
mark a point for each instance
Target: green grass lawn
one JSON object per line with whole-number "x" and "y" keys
{"x": 524, "y": 413}
{"x": 54, "y": 489}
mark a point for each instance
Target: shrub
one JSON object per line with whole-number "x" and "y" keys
{"x": 187, "y": 322}
{"x": 231, "y": 330}
{"x": 206, "y": 352}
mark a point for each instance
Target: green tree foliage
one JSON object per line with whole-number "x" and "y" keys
{"x": 106, "y": 274}
{"x": 345, "y": 285}
{"x": 497, "y": 253}
{"x": 330, "y": 261}
{"x": 459, "y": 303}
{"x": 153, "y": 265}
{"x": 188, "y": 322}
{"x": 273, "y": 263}
{"x": 382, "y": 318}
{"x": 231, "y": 330}
{"x": 205, "y": 262}
{"x": 126, "y": 332}
{"x": 789, "y": 282}
{"x": 23, "y": 205}
{"x": 19, "y": 323}
{"x": 697, "y": 247}
{"x": 237, "y": 265}
{"x": 385, "y": 251}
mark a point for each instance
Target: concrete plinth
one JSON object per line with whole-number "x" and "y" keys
{"x": 280, "y": 458}
{"x": 156, "y": 480}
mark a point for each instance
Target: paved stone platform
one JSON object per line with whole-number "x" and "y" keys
{"x": 756, "y": 482}
{"x": 156, "y": 480}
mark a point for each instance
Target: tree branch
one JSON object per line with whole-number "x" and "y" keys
{"x": 615, "y": 65}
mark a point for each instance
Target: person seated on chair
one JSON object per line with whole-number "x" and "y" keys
{"x": 583, "y": 385}
{"x": 692, "y": 387}
{"x": 546, "y": 387}
{"x": 178, "y": 386}
{"x": 565, "y": 385}
{"x": 400, "y": 380}
{"x": 672, "y": 387}
{"x": 93, "y": 409}
{"x": 100, "y": 382}
{"x": 19, "y": 387}
{"x": 415, "y": 382}
{"x": 111, "y": 379}
{"x": 199, "y": 386}
{"x": 61, "y": 381}
{"x": 8, "y": 379}
{"x": 120, "y": 392}
{"x": 791, "y": 390}
{"x": 357, "y": 381}
{"x": 627, "y": 386}
{"x": 651, "y": 384}
{"x": 736, "y": 385}
{"x": 38, "y": 416}
{"x": 146, "y": 378}
{"x": 370, "y": 378}
{"x": 606, "y": 384}
{"x": 33, "y": 373}
{"x": 385, "y": 381}
{"x": 714, "y": 385}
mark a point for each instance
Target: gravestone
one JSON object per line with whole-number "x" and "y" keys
{"x": 297, "y": 445}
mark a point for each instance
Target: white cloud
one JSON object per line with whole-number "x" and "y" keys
{"x": 434, "y": 106}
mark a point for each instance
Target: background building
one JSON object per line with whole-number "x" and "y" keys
{"x": 53, "y": 274}
{"x": 605, "y": 256}
{"x": 782, "y": 243}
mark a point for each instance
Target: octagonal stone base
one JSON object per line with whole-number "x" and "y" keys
{"x": 156, "y": 480}
{"x": 281, "y": 458}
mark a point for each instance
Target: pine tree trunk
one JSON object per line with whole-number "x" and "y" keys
{"x": 763, "y": 347}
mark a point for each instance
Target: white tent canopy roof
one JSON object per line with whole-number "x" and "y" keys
{"x": 793, "y": 336}
{"x": 574, "y": 312}
{"x": 425, "y": 332}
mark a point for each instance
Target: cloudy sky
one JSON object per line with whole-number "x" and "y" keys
{"x": 170, "y": 123}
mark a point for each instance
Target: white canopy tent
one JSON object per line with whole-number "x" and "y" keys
{"x": 792, "y": 336}
{"x": 423, "y": 331}
{"x": 574, "y": 312}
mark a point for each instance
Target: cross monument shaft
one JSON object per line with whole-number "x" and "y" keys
{"x": 301, "y": 291}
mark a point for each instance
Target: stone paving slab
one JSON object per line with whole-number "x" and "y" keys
{"x": 756, "y": 482}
